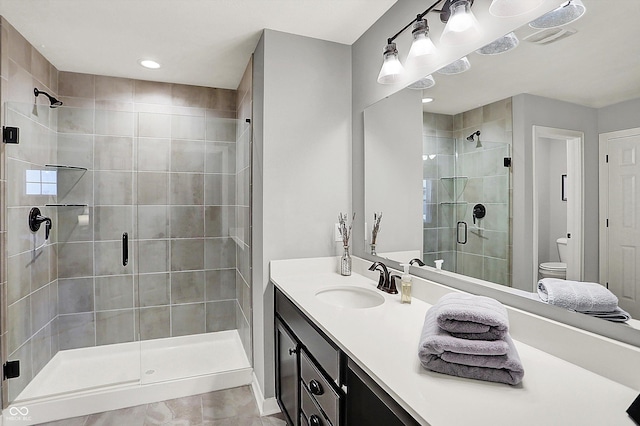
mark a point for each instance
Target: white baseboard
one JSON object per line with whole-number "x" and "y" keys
{"x": 267, "y": 406}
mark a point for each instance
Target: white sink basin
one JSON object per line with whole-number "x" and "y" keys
{"x": 350, "y": 297}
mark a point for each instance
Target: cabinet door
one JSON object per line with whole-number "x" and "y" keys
{"x": 368, "y": 404}
{"x": 287, "y": 381}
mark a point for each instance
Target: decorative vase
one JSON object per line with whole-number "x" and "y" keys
{"x": 345, "y": 262}
{"x": 373, "y": 250}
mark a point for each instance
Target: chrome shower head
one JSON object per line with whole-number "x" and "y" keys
{"x": 55, "y": 103}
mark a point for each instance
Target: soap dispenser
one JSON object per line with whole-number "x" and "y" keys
{"x": 405, "y": 288}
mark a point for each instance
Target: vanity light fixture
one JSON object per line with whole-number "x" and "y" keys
{"x": 565, "y": 14}
{"x": 422, "y": 46}
{"x": 510, "y": 8}
{"x": 148, "y": 63}
{"x": 423, "y": 83}
{"x": 456, "y": 67}
{"x": 392, "y": 69}
{"x": 501, "y": 45}
{"x": 462, "y": 26}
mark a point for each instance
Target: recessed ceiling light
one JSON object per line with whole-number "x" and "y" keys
{"x": 148, "y": 63}
{"x": 427, "y": 100}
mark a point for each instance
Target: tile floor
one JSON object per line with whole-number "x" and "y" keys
{"x": 229, "y": 407}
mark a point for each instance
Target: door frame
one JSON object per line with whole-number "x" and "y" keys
{"x": 575, "y": 198}
{"x": 603, "y": 187}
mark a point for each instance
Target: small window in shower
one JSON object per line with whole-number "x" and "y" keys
{"x": 41, "y": 182}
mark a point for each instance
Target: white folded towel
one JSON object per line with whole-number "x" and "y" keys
{"x": 576, "y": 295}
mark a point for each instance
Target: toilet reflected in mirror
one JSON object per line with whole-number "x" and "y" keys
{"x": 556, "y": 269}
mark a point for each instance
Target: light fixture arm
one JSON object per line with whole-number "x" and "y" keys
{"x": 419, "y": 17}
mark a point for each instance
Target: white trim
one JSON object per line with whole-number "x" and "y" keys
{"x": 575, "y": 213}
{"x": 266, "y": 407}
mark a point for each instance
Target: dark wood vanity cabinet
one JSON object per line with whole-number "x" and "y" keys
{"x": 317, "y": 384}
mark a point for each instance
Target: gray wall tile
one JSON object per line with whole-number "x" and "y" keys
{"x": 221, "y": 315}
{"x": 155, "y": 323}
{"x": 187, "y": 287}
{"x": 76, "y": 331}
{"x": 114, "y": 327}
{"x": 154, "y": 289}
{"x": 114, "y": 292}
{"x": 75, "y": 295}
{"x": 187, "y": 319}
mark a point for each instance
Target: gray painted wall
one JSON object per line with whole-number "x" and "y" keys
{"x": 393, "y": 168}
{"x": 528, "y": 111}
{"x": 621, "y": 116}
{"x": 302, "y": 158}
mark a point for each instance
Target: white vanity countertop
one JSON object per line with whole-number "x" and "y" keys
{"x": 383, "y": 341}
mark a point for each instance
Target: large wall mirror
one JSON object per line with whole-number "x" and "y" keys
{"x": 495, "y": 173}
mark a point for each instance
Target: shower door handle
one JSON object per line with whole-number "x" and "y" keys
{"x": 464, "y": 226}
{"x": 125, "y": 249}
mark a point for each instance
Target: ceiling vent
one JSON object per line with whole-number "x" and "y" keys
{"x": 550, "y": 35}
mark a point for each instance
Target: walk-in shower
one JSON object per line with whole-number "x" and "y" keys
{"x": 136, "y": 290}
{"x": 466, "y": 192}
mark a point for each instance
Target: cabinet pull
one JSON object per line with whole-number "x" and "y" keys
{"x": 315, "y": 388}
{"x": 293, "y": 351}
{"x": 125, "y": 249}
{"x": 314, "y": 420}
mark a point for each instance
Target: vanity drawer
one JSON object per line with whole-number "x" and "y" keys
{"x": 319, "y": 389}
{"x": 311, "y": 412}
{"x": 325, "y": 353}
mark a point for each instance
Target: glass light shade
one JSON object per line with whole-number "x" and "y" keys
{"x": 563, "y": 15}
{"x": 422, "y": 46}
{"x": 509, "y": 8}
{"x": 456, "y": 67}
{"x": 462, "y": 26}
{"x": 423, "y": 83}
{"x": 392, "y": 69}
{"x": 501, "y": 45}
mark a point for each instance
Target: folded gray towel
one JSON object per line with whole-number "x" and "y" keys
{"x": 577, "y": 296}
{"x": 618, "y": 315}
{"x": 494, "y": 361}
{"x": 472, "y": 317}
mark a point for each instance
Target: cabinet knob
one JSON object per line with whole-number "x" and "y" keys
{"x": 315, "y": 388}
{"x": 292, "y": 351}
{"x": 314, "y": 420}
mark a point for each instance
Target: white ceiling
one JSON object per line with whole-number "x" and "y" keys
{"x": 199, "y": 42}
{"x": 596, "y": 67}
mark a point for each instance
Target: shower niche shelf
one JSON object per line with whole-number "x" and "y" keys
{"x": 65, "y": 167}
{"x": 455, "y": 210}
{"x": 454, "y": 185}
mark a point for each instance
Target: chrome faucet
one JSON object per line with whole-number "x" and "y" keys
{"x": 386, "y": 282}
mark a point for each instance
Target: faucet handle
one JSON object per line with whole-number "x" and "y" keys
{"x": 392, "y": 289}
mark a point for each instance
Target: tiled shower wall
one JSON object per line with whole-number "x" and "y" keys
{"x": 243, "y": 210}
{"x": 29, "y": 282}
{"x": 487, "y": 253}
{"x": 161, "y": 162}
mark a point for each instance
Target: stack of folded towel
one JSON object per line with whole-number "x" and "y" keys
{"x": 468, "y": 336}
{"x": 588, "y": 298}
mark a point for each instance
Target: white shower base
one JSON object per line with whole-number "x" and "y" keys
{"x": 90, "y": 380}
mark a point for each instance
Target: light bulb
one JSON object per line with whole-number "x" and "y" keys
{"x": 392, "y": 69}
{"x": 462, "y": 26}
{"x": 422, "y": 46}
{"x": 509, "y": 8}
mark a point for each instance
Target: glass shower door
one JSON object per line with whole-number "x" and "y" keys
{"x": 186, "y": 209}
{"x": 71, "y": 320}
{"x": 466, "y": 199}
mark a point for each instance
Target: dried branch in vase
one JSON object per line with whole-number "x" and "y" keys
{"x": 345, "y": 231}
{"x": 377, "y": 217}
